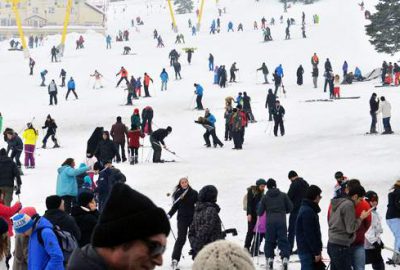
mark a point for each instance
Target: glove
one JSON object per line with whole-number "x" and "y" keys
{"x": 378, "y": 245}
{"x": 17, "y": 190}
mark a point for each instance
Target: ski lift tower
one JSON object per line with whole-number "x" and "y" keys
{"x": 14, "y": 6}
{"x": 66, "y": 22}
{"x": 171, "y": 12}
{"x": 200, "y": 15}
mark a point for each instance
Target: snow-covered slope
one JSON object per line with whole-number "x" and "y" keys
{"x": 320, "y": 139}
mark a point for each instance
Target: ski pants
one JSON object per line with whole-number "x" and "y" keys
{"x": 237, "y": 139}
{"x": 15, "y": 155}
{"x": 394, "y": 225}
{"x": 373, "y": 122}
{"x": 276, "y": 233}
{"x": 31, "y": 72}
{"x": 357, "y": 257}
{"x": 386, "y": 124}
{"x": 279, "y": 124}
{"x": 250, "y": 232}
{"x": 198, "y": 102}
{"x": 129, "y": 97}
{"x": 156, "y": 149}
{"x": 233, "y": 77}
{"x": 276, "y": 88}
{"x": 270, "y": 113}
{"x": 292, "y": 228}
{"x": 210, "y": 66}
{"x": 326, "y": 84}
{"x": 53, "y": 58}
{"x": 53, "y": 137}
{"x": 134, "y": 154}
{"x": 183, "y": 226}
{"x": 147, "y": 120}
{"x": 177, "y": 74}
{"x": 69, "y": 91}
{"x": 340, "y": 257}
{"x": 43, "y": 80}
{"x": 163, "y": 86}
{"x": 315, "y": 81}
{"x": 122, "y": 146}
{"x": 146, "y": 91}
{"x": 120, "y": 80}
{"x": 228, "y": 133}
{"x": 29, "y": 155}
{"x": 265, "y": 77}
{"x": 215, "y": 139}
{"x": 53, "y": 97}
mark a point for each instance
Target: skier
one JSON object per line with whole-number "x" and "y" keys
{"x": 199, "y": 92}
{"x": 393, "y": 219}
{"x": 314, "y": 60}
{"x": 43, "y": 76}
{"x": 227, "y": 116}
{"x": 263, "y": 21}
{"x": 189, "y": 55}
{"x": 108, "y": 42}
{"x": 232, "y": 72}
{"x": 270, "y": 103}
{"x": 265, "y": 72}
{"x": 303, "y": 18}
{"x": 127, "y": 50}
{"x": 190, "y": 23}
{"x": 157, "y": 142}
{"x": 345, "y": 68}
{"x": 230, "y": 27}
{"x": 287, "y": 32}
{"x": 52, "y": 89}
{"x": 15, "y": 145}
{"x": 147, "y": 118}
{"x": 299, "y": 73}
{"x": 247, "y": 108}
{"x": 236, "y": 127}
{"x": 54, "y": 53}
{"x": 177, "y": 69}
{"x": 160, "y": 43}
{"x": 124, "y": 76}
{"x": 63, "y": 75}
{"x": 240, "y": 27}
{"x": 374, "y": 107}
{"x": 314, "y": 75}
{"x": 138, "y": 86}
{"x": 208, "y": 122}
{"x": 51, "y": 126}
{"x": 384, "y": 70}
{"x": 329, "y": 82}
{"x": 223, "y": 76}
{"x": 210, "y": 62}
{"x": 131, "y": 91}
{"x": 184, "y": 200}
{"x": 155, "y": 34}
{"x": 164, "y": 80}
{"x": 97, "y": 79}
{"x": 11, "y": 178}
{"x": 118, "y": 132}
{"x": 31, "y": 65}
{"x": 385, "y": 108}
{"x": 278, "y": 81}
{"x": 146, "y": 83}
{"x": 134, "y": 134}
{"x": 135, "y": 119}
{"x": 106, "y": 149}
{"x": 278, "y": 112}
{"x": 71, "y": 87}
{"x": 255, "y": 25}
{"x": 173, "y": 56}
{"x": 178, "y": 39}
{"x": 30, "y": 137}
{"x": 194, "y": 30}
{"x": 276, "y": 204}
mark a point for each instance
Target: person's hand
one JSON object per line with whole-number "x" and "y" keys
{"x": 365, "y": 214}
{"x": 249, "y": 218}
{"x": 17, "y": 190}
{"x": 317, "y": 258}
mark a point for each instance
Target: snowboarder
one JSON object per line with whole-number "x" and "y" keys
{"x": 118, "y": 132}
{"x": 146, "y": 83}
{"x": 270, "y": 103}
{"x": 164, "y": 80}
{"x": 124, "y": 76}
{"x": 31, "y": 65}
{"x": 199, "y": 93}
{"x": 52, "y": 89}
{"x": 299, "y": 73}
{"x": 63, "y": 75}
{"x": 51, "y": 126}
{"x": 385, "y": 108}
{"x": 97, "y": 79}
{"x": 232, "y": 72}
{"x": 265, "y": 72}
{"x": 43, "y": 76}
{"x": 71, "y": 88}
{"x": 157, "y": 142}
{"x": 208, "y": 122}
{"x": 374, "y": 107}
{"x": 211, "y": 62}
{"x": 177, "y": 69}
{"x": 278, "y": 112}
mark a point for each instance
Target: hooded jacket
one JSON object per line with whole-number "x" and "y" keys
{"x": 276, "y": 204}
{"x": 66, "y": 180}
{"x": 106, "y": 150}
{"x": 86, "y": 221}
{"x": 61, "y": 219}
{"x": 297, "y": 192}
{"x": 30, "y": 136}
{"x": 8, "y": 172}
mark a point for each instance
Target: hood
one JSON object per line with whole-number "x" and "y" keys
{"x": 273, "y": 192}
{"x": 43, "y": 223}
{"x": 200, "y": 206}
{"x": 337, "y": 202}
{"x": 77, "y": 211}
{"x": 5, "y": 159}
{"x": 208, "y": 194}
{"x": 62, "y": 168}
{"x": 55, "y": 215}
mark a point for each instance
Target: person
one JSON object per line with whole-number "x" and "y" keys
{"x": 52, "y": 90}
{"x": 396, "y": 71}
{"x": 108, "y": 42}
{"x": 278, "y": 82}
{"x": 206, "y": 225}
{"x": 358, "y": 75}
{"x": 270, "y": 103}
{"x": 340, "y": 186}
{"x": 30, "y": 137}
{"x": 173, "y": 56}
{"x": 31, "y": 65}
{"x": 374, "y": 107}
{"x": 164, "y": 80}
{"x": 208, "y": 122}
{"x": 8, "y": 174}
{"x": 287, "y": 32}
{"x": 230, "y": 27}
{"x": 67, "y": 186}
{"x": 71, "y": 87}
{"x": 15, "y": 146}
{"x": 253, "y": 198}
{"x": 278, "y": 113}
{"x": 177, "y": 69}
{"x": 343, "y": 224}
{"x": 134, "y": 135}
{"x": 189, "y": 55}
{"x": 97, "y": 79}
{"x": 232, "y": 71}
{"x": 314, "y": 75}
{"x": 119, "y": 132}
{"x": 51, "y": 126}
{"x": 223, "y": 255}
{"x": 63, "y": 75}
{"x": 124, "y": 76}
{"x": 106, "y": 149}
{"x": 146, "y": 83}
{"x": 373, "y": 242}
{"x": 184, "y": 199}
{"x": 157, "y": 141}
{"x": 384, "y": 70}
{"x": 147, "y": 118}
{"x": 308, "y": 230}
{"x": 240, "y": 27}
{"x": 199, "y": 95}
{"x": 227, "y": 116}
{"x": 393, "y": 218}
{"x": 296, "y": 193}
{"x": 57, "y": 216}
{"x": 45, "y": 255}
{"x": 223, "y": 76}
{"x": 4, "y": 244}
{"x": 131, "y": 91}
{"x": 247, "y": 108}
{"x": 127, "y": 50}
{"x": 276, "y": 204}
{"x": 299, "y": 73}
{"x": 135, "y": 118}
{"x": 385, "y": 108}
{"x": 114, "y": 246}
{"x": 86, "y": 216}
{"x": 211, "y": 62}
{"x": 265, "y": 72}
{"x": 345, "y": 68}
{"x": 54, "y": 52}
{"x": 303, "y": 31}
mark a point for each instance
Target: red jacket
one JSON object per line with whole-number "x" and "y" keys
{"x": 146, "y": 80}
{"x": 7, "y": 212}
{"x": 133, "y": 138}
{"x": 360, "y": 234}
{"x": 123, "y": 72}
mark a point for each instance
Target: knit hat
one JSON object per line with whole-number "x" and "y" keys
{"x": 292, "y": 174}
{"x": 22, "y": 223}
{"x": 53, "y": 202}
{"x": 338, "y": 175}
{"x": 30, "y": 211}
{"x": 260, "y": 182}
{"x": 271, "y": 183}
{"x": 85, "y": 198}
{"x": 208, "y": 194}
{"x": 3, "y": 226}
{"x": 223, "y": 255}
{"x": 136, "y": 111}
{"x": 128, "y": 215}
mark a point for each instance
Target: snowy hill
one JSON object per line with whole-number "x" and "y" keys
{"x": 320, "y": 139}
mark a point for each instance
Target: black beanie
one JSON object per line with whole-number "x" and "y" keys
{"x": 53, "y": 202}
{"x": 208, "y": 194}
{"x": 128, "y": 215}
{"x": 85, "y": 198}
{"x": 3, "y": 152}
{"x": 271, "y": 183}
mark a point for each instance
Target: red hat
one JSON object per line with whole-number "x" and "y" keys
{"x": 136, "y": 111}
{"x": 30, "y": 211}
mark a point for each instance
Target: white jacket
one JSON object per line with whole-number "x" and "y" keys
{"x": 374, "y": 232}
{"x": 385, "y": 108}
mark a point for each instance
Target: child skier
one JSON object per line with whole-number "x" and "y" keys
{"x": 134, "y": 134}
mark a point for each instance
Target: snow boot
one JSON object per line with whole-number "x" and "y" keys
{"x": 56, "y": 145}
{"x": 174, "y": 264}
{"x": 44, "y": 146}
{"x": 136, "y": 160}
{"x": 285, "y": 263}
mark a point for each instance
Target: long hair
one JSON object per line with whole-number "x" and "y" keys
{"x": 178, "y": 186}
{"x": 3, "y": 245}
{"x": 396, "y": 185}
{"x": 68, "y": 162}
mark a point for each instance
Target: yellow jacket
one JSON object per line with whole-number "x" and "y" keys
{"x": 30, "y": 136}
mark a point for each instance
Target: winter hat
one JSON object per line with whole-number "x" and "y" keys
{"x": 136, "y": 111}
{"x": 223, "y": 255}
{"x": 312, "y": 192}
{"x": 53, "y": 202}
{"x": 292, "y": 174}
{"x": 128, "y": 215}
{"x": 260, "y": 182}
{"x": 338, "y": 175}
{"x": 271, "y": 183}
{"x": 30, "y": 211}
{"x": 371, "y": 196}
{"x": 169, "y": 129}
{"x": 3, "y": 226}
{"x": 22, "y": 223}
{"x": 3, "y": 152}
{"x": 208, "y": 194}
{"x": 85, "y": 198}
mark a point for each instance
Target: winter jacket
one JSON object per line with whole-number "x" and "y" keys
{"x": 118, "y": 132}
{"x": 345, "y": 67}
{"x": 146, "y": 80}
{"x": 199, "y": 90}
{"x": 246, "y": 103}
{"x": 52, "y": 88}
{"x": 264, "y": 69}
{"x": 314, "y": 60}
{"x": 206, "y": 226}
{"x": 184, "y": 205}
{"x": 365, "y": 224}
{"x": 15, "y": 144}
{"x": 20, "y": 253}
{"x": 374, "y": 105}
{"x": 86, "y": 258}
{"x": 328, "y": 66}
{"x": 296, "y": 193}
{"x": 107, "y": 179}
{"x": 254, "y": 196}
{"x": 123, "y": 73}
{"x": 63, "y": 73}
{"x": 276, "y": 204}
{"x": 300, "y": 71}
{"x": 106, "y": 150}
{"x": 277, "y": 79}
{"x": 30, "y": 136}
{"x": 51, "y": 126}
{"x": 159, "y": 135}
{"x": 46, "y": 256}
{"x": 7, "y": 212}
{"x": 393, "y": 207}
{"x": 86, "y": 221}
{"x": 66, "y": 180}
{"x": 211, "y": 119}
{"x": 236, "y": 121}
{"x": 278, "y": 112}
{"x": 343, "y": 223}
{"x": 164, "y": 76}
{"x": 357, "y": 73}
{"x": 308, "y": 229}
{"x": 61, "y": 219}
{"x": 373, "y": 235}
{"x": 271, "y": 98}
{"x": 8, "y": 172}
{"x": 134, "y": 138}
{"x": 385, "y": 108}
{"x": 135, "y": 120}
{"x": 279, "y": 71}
{"x": 71, "y": 84}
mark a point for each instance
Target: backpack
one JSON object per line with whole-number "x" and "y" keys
{"x": 116, "y": 176}
{"x": 66, "y": 241}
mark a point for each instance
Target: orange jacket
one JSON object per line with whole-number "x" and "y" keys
{"x": 123, "y": 72}
{"x": 146, "y": 80}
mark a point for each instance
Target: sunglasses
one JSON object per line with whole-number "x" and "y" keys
{"x": 155, "y": 248}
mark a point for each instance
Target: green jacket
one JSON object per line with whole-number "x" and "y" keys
{"x": 135, "y": 120}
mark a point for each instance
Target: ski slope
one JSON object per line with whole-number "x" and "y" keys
{"x": 321, "y": 138}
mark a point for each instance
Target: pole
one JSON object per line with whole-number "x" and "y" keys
{"x": 171, "y": 12}
{"x": 200, "y": 15}
{"x": 19, "y": 25}
{"x": 66, "y": 22}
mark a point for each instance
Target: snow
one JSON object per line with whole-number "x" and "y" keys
{"x": 321, "y": 138}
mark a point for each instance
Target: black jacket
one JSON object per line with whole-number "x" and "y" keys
{"x": 254, "y": 196}
{"x": 86, "y": 258}
{"x": 8, "y": 172}
{"x": 106, "y": 150}
{"x": 64, "y": 221}
{"x": 184, "y": 206}
{"x": 300, "y": 71}
{"x": 264, "y": 69}
{"x": 373, "y": 104}
{"x": 159, "y": 135}
{"x": 276, "y": 204}
{"x": 297, "y": 192}
{"x": 278, "y": 112}
{"x": 246, "y": 103}
{"x": 393, "y": 207}
{"x": 86, "y": 221}
{"x": 328, "y": 66}
{"x": 270, "y": 102}
{"x": 51, "y": 126}
{"x": 277, "y": 79}
{"x": 94, "y": 140}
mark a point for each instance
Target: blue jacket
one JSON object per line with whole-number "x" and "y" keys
{"x": 357, "y": 72}
{"x": 230, "y": 25}
{"x": 279, "y": 71}
{"x": 308, "y": 230}
{"x": 66, "y": 180}
{"x": 199, "y": 90}
{"x": 71, "y": 84}
{"x": 164, "y": 76}
{"x": 211, "y": 119}
{"x": 108, "y": 39}
{"x": 345, "y": 67}
{"x": 48, "y": 256}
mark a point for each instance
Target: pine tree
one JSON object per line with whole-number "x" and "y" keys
{"x": 384, "y": 29}
{"x": 184, "y": 6}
